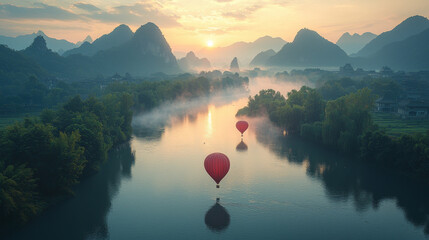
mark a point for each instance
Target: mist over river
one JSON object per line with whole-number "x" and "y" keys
{"x": 278, "y": 187}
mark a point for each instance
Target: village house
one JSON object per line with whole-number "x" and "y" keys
{"x": 413, "y": 109}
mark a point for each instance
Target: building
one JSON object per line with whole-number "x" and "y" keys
{"x": 386, "y": 104}
{"x": 413, "y": 109}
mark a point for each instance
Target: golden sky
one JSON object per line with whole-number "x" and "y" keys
{"x": 189, "y": 24}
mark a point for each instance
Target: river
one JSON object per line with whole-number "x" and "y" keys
{"x": 278, "y": 187}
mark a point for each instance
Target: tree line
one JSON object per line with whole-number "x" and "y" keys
{"x": 43, "y": 157}
{"x": 345, "y": 124}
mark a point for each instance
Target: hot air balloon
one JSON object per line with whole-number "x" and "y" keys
{"x": 217, "y": 166}
{"x": 242, "y": 126}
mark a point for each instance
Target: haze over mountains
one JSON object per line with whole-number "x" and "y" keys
{"x": 411, "y": 54}
{"x": 410, "y": 27}
{"x": 142, "y": 54}
{"x": 403, "y": 48}
{"x": 244, "y": 51}
{"x": 146, "y": 51}
{"x": 192, "y": 63}
{"x": 309, "y": 49}
{"x": 23, "y": 41}
{"x": 353, "y": 43}
{"x": 118, "y": 36}
{"x": 262, "y": 58}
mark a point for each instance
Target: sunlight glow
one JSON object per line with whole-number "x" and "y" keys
{"x": 210, "y": 43}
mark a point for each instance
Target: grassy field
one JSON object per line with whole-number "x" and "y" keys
{"x": 6, "y": 120}
{"x": 395, "y": 126}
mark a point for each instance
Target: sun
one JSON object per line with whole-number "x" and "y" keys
{"x": 210, "y": 43}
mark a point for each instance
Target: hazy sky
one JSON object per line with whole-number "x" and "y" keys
{"x": 189, "y": 24}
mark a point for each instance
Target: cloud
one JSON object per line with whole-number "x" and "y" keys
{"x": 86, "y": 7}
{"x": 39, "y": 11}
{"x": 138, "y": 13}
{"x": 242, "y": 14}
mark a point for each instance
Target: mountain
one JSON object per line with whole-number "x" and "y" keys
{"x": 192, "y": 63}
{"x": 411, "y": 26}
{"x": 245, "y": 51}
{"x": 262, "y": 58}
{"x": 411, "y": 54}
{"x": 234, "y": 67}
{"x": 16, "y": 66}
{"x": 145, "y": 53}
{"x": 23, "y": 41}
{"x": 353, "y": 43}
{"x": 71, "y": 67}
{"x": 309, "y": 49}
{"x": 87, "y": 39}
{"x": 117, "y": 37}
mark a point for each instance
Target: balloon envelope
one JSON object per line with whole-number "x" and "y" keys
{"x": 242, "y": 126}
{"x": 217, "y": 166}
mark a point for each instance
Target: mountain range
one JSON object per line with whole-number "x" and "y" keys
{"x": 410, "y": 27}
{"x": 309, "y": 49}
{"x": 405, "y": 47}
{"x": 411, "y": 54}
{"x": 244, "y": 51}
{"x": 118, "y": 36}
{"x": 23, "y": 41}
{"x": 145, "y": 53}
{"x": 353, "y": 43}
{"x": 191, "y": 63}
{"x": 262, "y": 58}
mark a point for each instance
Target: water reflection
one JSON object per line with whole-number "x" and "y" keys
{"x": 149, "y": 133}
{"x": 84, "y": 215}
{"x": 347, "y": 179}
{"x": 217, "y": 218}
{"x": 241, "y": 147}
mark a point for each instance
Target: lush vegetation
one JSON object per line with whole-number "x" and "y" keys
{"x": 338, "y": 87}
{"x": 44, "y": 157}
{"x": 345, "y": 124}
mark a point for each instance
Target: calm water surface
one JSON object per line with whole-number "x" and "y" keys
{"x": 278, "y": 187}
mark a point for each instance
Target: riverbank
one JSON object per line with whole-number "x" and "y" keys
{"x": 344, "y": 124}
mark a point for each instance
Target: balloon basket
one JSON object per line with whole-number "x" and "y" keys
{"x": 217, "y": 185}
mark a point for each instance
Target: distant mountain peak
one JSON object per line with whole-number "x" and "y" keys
{"x": 148, "y": 28}
{"x": 306, "y": 33}
{"x": 261, "y": 58}
{"x": 407, "y": 28}
{"x": 412, "y": 22}
{"x": 192, "y": 63}
{"x": 122, "y": 27}
{"x": 41, "y": 33}
{"x": 39, "y": 44}
{"x": 88, "y": 39}
{"x": 191, "y": 54}
{"x": 234, "y": 65}
{"x": 309, "y": 49}
{"x": 353, "y": 43}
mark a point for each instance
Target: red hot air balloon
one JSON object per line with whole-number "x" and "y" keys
{"x": 217, "y": 166}
{"x": 242, "y": 126}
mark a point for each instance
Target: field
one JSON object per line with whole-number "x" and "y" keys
{"x": 395, "y": 126}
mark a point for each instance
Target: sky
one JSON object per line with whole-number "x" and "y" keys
{"x": 191, "y": 24}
